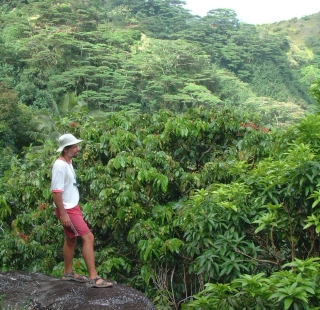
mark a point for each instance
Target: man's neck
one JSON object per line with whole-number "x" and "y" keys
{"x": 66, "y": 158}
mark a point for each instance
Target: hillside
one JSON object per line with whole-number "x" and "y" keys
{"x": 144, "y": 56}
{"x": 304, "y": 37}
{"x": 300, "y": 30}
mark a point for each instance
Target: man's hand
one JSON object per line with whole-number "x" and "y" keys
{"x": 64, "y": 219}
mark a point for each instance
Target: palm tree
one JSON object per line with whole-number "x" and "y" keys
{"x": 45, "y": 123}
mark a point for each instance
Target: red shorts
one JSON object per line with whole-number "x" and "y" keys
{"x": 78, "y": 226}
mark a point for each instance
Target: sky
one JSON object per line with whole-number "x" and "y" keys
{"x": 257, "y": 11}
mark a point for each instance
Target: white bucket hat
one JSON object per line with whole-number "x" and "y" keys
{"x": 66, "y": 140}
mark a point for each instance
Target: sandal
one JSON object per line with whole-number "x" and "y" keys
{"x": 105, "y": 283}
{"x": 71, "y": 277}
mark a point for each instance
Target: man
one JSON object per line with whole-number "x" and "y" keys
{"x": 64, "y": 189}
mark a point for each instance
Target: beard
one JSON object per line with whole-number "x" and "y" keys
{"x": 74, "y": 155}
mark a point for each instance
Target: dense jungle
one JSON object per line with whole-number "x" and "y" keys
{"x": 199, "y": 172}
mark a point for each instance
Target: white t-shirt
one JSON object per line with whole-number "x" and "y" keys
{"x": 64, "y": 181}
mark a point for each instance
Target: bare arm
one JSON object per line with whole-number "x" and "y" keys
{"x": 64, "y": 217}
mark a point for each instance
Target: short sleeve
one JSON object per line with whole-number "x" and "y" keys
{"x": 58, "y": 176}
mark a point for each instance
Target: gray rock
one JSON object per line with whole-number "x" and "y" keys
{"x": 33, "y": 291}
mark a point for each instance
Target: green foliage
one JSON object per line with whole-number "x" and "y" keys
{"x": 177, "y": 201}
{"x": 292, "y": 289}
{"x": 315, "y": 92}
{"x": 6, "y": 155}
{"x": 282, "y": 187}
{"x": 308, "y": 131}
{"x": 118, "y": 55}
{"x": 14, "y": 119}
{"x": 143, "y": 195}
{"x": 200, "y": 199}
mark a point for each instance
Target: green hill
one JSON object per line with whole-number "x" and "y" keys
{"x": 147, "y": 55}
{"x": 95, "y": 50}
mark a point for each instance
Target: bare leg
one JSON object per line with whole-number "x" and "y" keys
{"x": 88, "y": 255}
{"x": 68, "y": 252}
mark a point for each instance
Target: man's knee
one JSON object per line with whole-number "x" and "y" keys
{"x": 89, "y": 237}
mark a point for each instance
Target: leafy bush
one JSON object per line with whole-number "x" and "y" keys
{"x": 177, "y": 202}
{"x": 293, "y": 288}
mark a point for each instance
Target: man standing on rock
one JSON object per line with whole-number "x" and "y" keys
{"x": 64, "y": 189}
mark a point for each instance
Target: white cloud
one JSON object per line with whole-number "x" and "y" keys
{"x": 255, "y": 11}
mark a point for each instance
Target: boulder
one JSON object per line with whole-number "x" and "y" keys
{"x": 35, "y": 291}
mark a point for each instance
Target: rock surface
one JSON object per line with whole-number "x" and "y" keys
{"x": 34, "y": 291}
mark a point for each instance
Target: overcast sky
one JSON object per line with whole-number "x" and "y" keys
{"x": 257, "y": 11}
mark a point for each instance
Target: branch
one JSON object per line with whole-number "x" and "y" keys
{"x": 256, "y": 259}
{"x": 207, "y": 151}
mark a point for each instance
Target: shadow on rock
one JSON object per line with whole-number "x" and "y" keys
{"x": 34, "y": 291}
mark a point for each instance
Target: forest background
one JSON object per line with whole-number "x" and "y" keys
{"x": 199, "y": 173}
